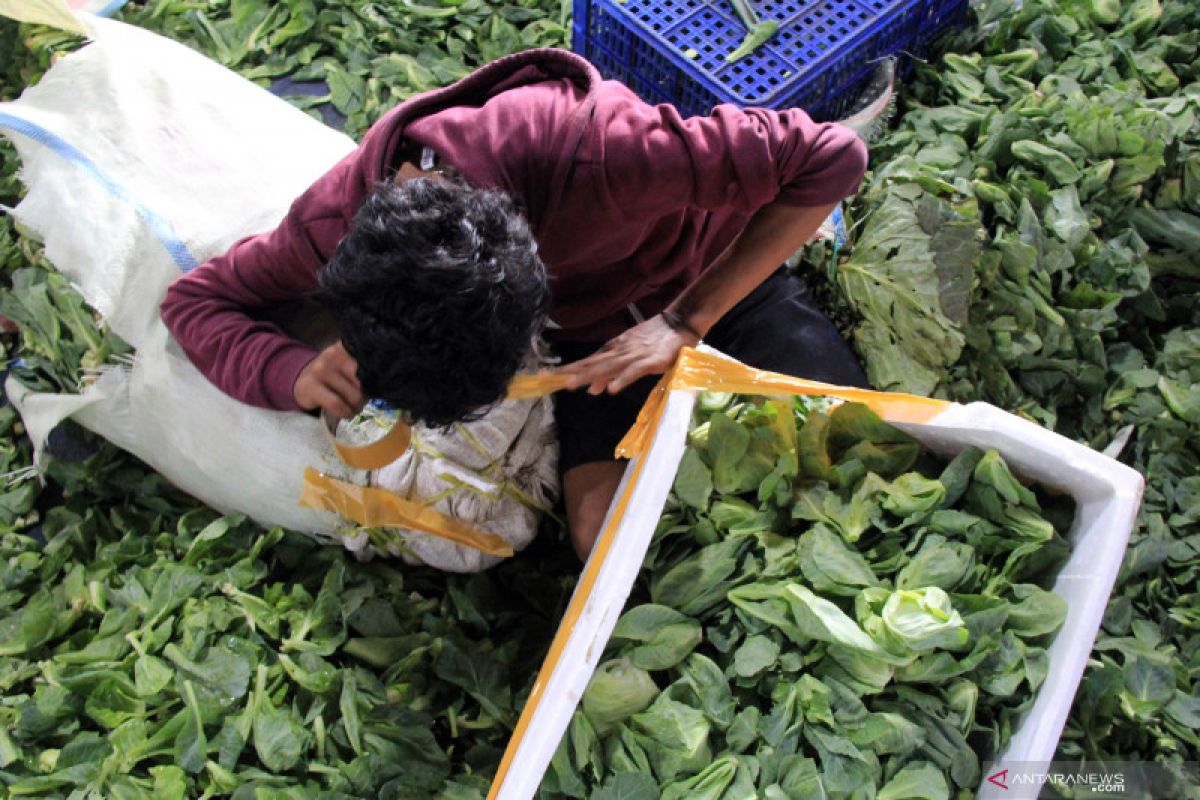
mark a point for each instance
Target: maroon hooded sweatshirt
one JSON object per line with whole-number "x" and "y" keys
{"x": 628, "y": 202}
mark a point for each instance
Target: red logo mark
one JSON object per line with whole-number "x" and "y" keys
{"x": 999, "y": 778}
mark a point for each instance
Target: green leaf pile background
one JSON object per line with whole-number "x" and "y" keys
{"x": 1067, "y": 134}
{"x": 1029, "y": 236}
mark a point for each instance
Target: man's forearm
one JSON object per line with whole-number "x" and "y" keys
{"x": 772, "y": 235}
{"x": 649, "y": 348}
{"x": 248, "y": 359}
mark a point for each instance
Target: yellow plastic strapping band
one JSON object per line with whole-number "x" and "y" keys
{"x": 388, "y": 449}
{"x": 377, "y": 454}
{"x": 379, "y": 508}
{"x": 704, "y": 371}
{"x": 700, "y": 371}
{"x": 693, "y": 370}
{"x": 538, "y": 384}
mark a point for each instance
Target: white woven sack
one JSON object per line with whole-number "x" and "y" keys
{"x": 144, "y": 158}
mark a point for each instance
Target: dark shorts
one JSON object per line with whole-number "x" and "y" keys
{"x": 777, "y": 327}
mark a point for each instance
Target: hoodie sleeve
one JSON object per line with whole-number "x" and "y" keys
{"x": 208, "y": 309}
{"x": 653, "y": 160}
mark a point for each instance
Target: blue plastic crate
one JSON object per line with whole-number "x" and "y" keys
{"x": 673, "y": 51}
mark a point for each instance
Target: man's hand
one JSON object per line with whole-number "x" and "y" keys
{"x": 330, "y": 382}
{"x": 773, "y": 233}
{"x": 649, "y": 348}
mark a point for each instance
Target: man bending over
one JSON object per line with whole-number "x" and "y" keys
{"x": 533, "y": 197}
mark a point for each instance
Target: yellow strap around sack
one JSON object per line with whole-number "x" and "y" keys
{"x": 694, "y": 370}
{"x": 379, "y": 508}
{"x": 377, "y": 454}
{"x": 372, "y": 507}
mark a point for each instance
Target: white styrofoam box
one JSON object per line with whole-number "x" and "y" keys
{"x": 1107, "y": 495}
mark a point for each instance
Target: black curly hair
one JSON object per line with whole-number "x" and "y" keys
{"x": 438, "y": 292}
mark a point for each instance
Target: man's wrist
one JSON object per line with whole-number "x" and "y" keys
{"x": 676, "y": 322}
{"x": 281, "y": 372}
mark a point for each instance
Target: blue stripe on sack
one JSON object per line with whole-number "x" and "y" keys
{"x": 178, "y": 251}
{"x": 110, "y": 8}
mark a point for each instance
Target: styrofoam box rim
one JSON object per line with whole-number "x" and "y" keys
{"x": 1107, "y": 495}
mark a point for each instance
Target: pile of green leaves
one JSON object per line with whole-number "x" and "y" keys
{"x": 149, "y": 648}
{"x": 1067, "y": 134}
{"x": 827, "y": 609}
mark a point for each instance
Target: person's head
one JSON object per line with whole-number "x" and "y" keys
{"x": 438, "y": 292}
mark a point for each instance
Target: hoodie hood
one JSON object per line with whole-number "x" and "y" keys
{"x": 378, "y": 148}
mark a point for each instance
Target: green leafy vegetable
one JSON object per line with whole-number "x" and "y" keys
{"x": 1073, "y": 127}
{"x": 617, "y": 690}
{"x": 909, "y": 279}
{"x": 832, "y": 647}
